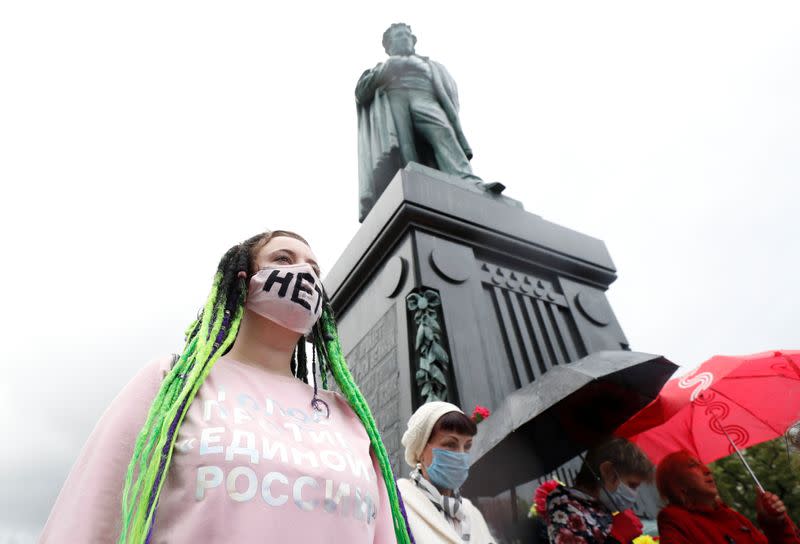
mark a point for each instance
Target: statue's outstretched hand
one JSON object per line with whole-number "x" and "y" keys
{"x": 395, "y": 65}
{"x": 417, "y": 62}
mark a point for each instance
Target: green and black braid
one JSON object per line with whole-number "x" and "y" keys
{"x": 326, "y": 342}
{"x": 210, "y": 336}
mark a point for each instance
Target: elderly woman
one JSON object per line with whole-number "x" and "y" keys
{"x": 437, "y": 443}
{"x": 598, "y": 509}
{"x": 696, "y": 515}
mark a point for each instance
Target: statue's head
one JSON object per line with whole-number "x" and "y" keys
{"x": 399, "y": 40}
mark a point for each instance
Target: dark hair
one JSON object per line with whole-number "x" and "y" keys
{"x": 253, "y": 245}
{"x": 386, "y": 41}
{"x": 454, "y": 422}
{"x": 626, "y": 457}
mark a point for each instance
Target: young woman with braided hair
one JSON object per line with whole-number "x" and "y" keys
{"x": 228, "y": 442}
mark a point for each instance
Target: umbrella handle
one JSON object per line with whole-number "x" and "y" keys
{"x": 743, "y": 460}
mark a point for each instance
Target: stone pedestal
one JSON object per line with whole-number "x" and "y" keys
{"x": 517, "y": 294}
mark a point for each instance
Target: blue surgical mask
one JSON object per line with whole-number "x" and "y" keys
{"x": 624, "y": 497}
{"x": 449, "y": 469}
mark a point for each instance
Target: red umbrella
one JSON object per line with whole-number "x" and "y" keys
{"x": 726, "y": 404}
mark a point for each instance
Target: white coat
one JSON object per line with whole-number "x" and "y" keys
{"x": 429, "y": 525}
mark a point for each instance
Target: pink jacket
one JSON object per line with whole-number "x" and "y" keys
{"x": 253, "y": 463}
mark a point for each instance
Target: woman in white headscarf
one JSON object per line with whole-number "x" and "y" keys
{"x": 437, "y": 443}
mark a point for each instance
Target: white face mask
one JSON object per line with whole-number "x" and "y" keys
{"x": 291, "y": 296}
{"x": 622, "y": 498}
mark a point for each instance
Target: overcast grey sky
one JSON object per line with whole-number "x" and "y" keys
{"x": 138, "y": 141}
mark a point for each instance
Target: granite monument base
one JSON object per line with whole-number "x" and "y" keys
{"x": 449, "y": 292}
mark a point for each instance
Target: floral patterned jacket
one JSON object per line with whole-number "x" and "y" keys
{"x": 573, "y": 517}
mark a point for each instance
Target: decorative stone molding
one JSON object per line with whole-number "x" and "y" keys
{"x": 395, "y": 274}
{"x": 525, "y": 284}
{"x": 451, "y": 264}
{"x": 430, "y": 354}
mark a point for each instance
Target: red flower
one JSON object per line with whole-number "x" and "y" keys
{"x": 541, "y": 493}
{"x": 480, "y": 413}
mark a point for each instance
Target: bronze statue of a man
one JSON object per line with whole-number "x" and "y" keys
{"x": 408, "y": 111}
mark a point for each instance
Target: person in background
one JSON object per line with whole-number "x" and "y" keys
{"x": 695, "y": 514}
{"x": 437, "y": 444}
{"x": 599, "y": 508}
